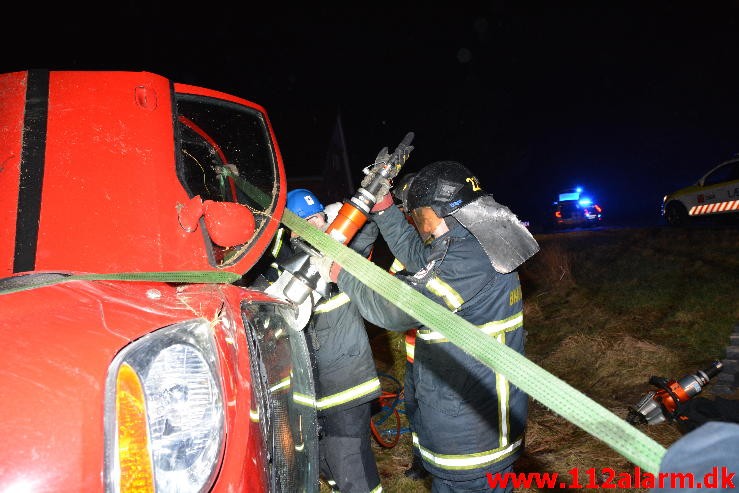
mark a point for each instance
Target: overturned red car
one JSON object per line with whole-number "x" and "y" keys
{"x": 138, "y": 354}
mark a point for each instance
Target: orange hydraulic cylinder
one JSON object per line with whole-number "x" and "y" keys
{"x": 348, "y": 221}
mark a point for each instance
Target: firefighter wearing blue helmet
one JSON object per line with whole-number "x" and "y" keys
{"x": 469, "y": 420}
{"x": 346, "y": 377}
{"x": 304, "y": 203}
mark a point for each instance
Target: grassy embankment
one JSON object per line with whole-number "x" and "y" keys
{"x": 604, "y": 311}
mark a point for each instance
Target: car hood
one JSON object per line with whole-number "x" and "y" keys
{"x": 683, "y": 191}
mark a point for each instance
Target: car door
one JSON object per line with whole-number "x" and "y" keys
{"x": 719, "y": 191}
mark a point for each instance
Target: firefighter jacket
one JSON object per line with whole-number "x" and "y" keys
{"x": 470, "y": 420}
{"x": 345, "y": 372}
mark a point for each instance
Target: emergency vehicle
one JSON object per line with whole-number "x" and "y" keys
{"x": 574, "y": 208}
{"x": 138, "y": 351}
{"x": 714, "y": 194}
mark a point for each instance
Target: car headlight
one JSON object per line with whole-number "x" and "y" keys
{"x": 164, "y": 415}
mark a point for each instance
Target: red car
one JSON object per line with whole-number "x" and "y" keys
{"x": 137, "y": 353}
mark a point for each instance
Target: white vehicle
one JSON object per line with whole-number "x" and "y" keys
{"x": 715, "y": 193}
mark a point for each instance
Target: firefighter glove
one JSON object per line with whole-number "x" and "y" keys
{"x": 325, "y": 267}
{"x": 376, "y": 184}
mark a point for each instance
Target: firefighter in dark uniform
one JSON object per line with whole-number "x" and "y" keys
{"x": 345, "y": 373}
{"x": 470, "y": 421}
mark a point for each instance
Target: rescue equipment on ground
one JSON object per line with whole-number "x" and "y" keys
{"x": 662, "y": 405}
{"x": 385, "y": 423}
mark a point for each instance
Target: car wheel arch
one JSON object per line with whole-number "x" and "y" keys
{"x": 676, "y": 214}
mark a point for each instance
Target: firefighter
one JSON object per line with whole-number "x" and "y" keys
{"x": 345, "y": 373}
{"x": 470, "y": 421}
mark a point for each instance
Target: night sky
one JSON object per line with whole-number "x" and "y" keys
{"x": 629, "y": 99}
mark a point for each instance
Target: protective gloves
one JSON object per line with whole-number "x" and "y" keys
{"x": 384, "y": 185}
{"x": 326, "y": 267}
{"x": 332, "y": 210}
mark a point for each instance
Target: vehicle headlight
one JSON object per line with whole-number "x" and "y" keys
{"x": 164, "y": 415}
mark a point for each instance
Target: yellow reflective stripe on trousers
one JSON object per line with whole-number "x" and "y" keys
{"x": 466, "y": 461}
{"x": 277, "y": 245}
{"x": 444, "y": 291}
{"x": 504, "y": 396}
{"x": 410, "y": 351}
{"x": 304, "y": 399}
{"x": 332, "y": 303}
{"x": 284, "y": 383}
{"x": 491, "y": 328}
{"x": 349, "y": 395}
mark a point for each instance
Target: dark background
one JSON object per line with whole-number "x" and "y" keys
{"x": 628, "y": 99}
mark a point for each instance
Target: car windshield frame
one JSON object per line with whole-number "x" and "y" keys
{"x": 225, "y": 153}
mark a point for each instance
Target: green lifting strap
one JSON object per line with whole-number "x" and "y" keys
{"x": 543, "y": 386}
{"x": 41, "y": 279}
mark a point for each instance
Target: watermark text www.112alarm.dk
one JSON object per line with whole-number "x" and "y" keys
{"x": 608, "y": 478}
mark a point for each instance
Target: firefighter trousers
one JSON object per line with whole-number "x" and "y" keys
{"x": 345, "y": 447}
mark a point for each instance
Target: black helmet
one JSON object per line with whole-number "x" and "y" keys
{"x": 445, "y": 186}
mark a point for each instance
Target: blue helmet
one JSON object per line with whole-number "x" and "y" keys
{"x": 303, "y": 202}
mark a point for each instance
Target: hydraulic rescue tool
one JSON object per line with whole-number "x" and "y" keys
{"x": 353, "y": 214}
{"x": 661, "y": 405}
{"x": 300, "y": 282}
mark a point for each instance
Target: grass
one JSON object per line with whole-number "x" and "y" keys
{"x": 604, "y": 311}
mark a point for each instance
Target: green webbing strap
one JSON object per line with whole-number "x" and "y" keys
{"x": 38, "y": 280}
{"x": 254, "y": 193}
{"x": 546, "y": 388}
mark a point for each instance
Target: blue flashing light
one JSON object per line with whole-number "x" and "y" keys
{"x": 585, "y": 201}
{"x": 569, "y": 196}
{"x": 578, "y": 189}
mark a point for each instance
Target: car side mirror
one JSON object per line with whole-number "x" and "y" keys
{"x": 228, "y": 223}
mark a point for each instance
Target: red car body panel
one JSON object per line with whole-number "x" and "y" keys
{"x": 126, "y": 219}
{"x": 72, "y": 359}
{"x": 94, "y": 174}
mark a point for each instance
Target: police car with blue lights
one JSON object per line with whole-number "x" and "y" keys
{"x": 714, "y": 195}
{"x": 574, "y": 208}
